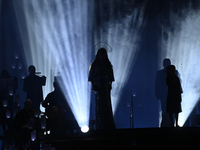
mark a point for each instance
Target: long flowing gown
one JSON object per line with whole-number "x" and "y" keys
{"x": 101, "y": 76}
{"x": 174, "y": 95}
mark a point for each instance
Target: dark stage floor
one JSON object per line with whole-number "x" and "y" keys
{"x": 138, "y": 138}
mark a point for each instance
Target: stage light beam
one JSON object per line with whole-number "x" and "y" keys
{"x": 182, "y": 47}
{"x": 56, "y": 39}
{"x": 123, "y": 35}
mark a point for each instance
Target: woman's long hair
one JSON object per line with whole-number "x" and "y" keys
{"x": 105, "y": 61}
{"x": 171, "y": 71}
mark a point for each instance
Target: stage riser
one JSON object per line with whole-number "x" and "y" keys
{"x": 157, "y": 138}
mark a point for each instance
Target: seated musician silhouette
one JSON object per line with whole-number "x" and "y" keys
{"x": 60, "y": 116}
{"x": 55, "y": 109}
{"x": 20, "y": 124}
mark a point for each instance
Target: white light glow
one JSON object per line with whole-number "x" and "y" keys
{"x": 84, "y": 129}
{"x": 33, "y": 135}
{"x": 123, "y": 35}
{"x": 57, "y": 39}
{"x": 181, "y": 44}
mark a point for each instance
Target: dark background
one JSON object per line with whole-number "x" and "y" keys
{"x": 143, "y": 71}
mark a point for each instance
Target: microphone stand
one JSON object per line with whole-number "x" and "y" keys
{"x": 131, "y": 112}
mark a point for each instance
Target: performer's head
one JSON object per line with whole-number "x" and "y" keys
{"x": 55, "y": 85}
{"x": 102, "y": 54}
{"x": 28, "y": 104}
{"x": 166, "y": 62}
{"x": 31, "y": 69}
{"x": 171, "y": 70}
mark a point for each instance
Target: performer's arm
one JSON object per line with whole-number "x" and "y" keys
{"x": 45, "y": 102}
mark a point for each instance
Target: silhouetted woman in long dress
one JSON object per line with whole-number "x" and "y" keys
{"x": 101, "y": 76}
{"x": 174, "y": 94}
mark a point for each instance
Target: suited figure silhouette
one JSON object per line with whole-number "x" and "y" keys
{"x": 33, "y": 86}
{"x": 161, "y": 92}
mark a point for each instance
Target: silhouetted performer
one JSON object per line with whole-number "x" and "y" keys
{"x": 57, "y": 111}
{"x": 161, "y": 91}
{"x": 20, "y": 124}
{"x": 101, "y": 76}
{"x": 174, "y": 94}
{"x": 33, "y": 86}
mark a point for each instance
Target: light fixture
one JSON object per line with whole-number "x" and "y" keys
{"x": 84, "y": 129}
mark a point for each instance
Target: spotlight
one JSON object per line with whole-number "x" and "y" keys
{"x": 85, "y": 129}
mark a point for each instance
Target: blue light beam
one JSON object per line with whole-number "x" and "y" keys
{"x": 123, "y": 35}
{"x": 182, "y": 47}
{"x": 59, "y": 39}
